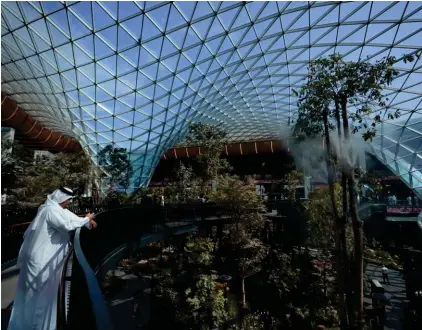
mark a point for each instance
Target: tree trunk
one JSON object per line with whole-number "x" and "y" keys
{"x": 340, "y": 255}
{"x": 345, "y": 202}
{"x": 357, "y": 224}
{"x": 242, "y": 281}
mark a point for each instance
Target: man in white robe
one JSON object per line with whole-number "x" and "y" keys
{"x": 41, "y": 257}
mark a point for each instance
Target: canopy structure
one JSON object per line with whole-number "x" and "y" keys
{"x": 134, "y": 74}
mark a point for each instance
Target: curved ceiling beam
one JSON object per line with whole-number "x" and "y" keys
{"x": 232, "y": 149}
{"x": 12, "y": 115}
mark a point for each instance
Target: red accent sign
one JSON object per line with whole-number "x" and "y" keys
{"x": 403, "y": 210}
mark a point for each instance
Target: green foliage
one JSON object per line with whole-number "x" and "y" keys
{"x": 245, "y": 205}
{"x": 302, "y": 303}
{"x": 117, "y": 166}
{"x": 283, "y": 276}
{"x": 187, "y": 186}
{"x": 207, "y": 302}
{"x": 250, "y": 321}
{"x": 14, "y": 160}
{"x": 292, "y": 180}
{"x": 29, "y": 180}
{"x": 333, "y": 83}
{"x": 211, "y": 139}
{"x": 200, "y": 250}
{"x": 321, "y": 218}
{"x": 248, "y": 252}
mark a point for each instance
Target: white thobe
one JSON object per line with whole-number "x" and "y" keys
{"x": 41, "y": 259}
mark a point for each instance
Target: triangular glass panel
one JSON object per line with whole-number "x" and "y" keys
{"x": 77, "y": 28}
{"x": 105, "y": 109}
{"x": 191, "y": 38}
{"x": 109, "y": 87}
{"x": 109, "y": 64}
{"x": 168, "y": 48}
{"x": 61, "y": 21}
{"x": 101, "y": 95}
{"x": 80, "y": 57}
{"x": 57, "y": 36}
{"x": 140, "y": 100}
{"x": 242, "y": 19}
{"x": 127, "y": 8}
{"x": 151, "y": 71}
{"x": 254, "y": 9}
{"x": 40, "y": 28}
{"x": 159, "y": 91}
{"x": 122, "y": 89}
{"x": 111, "y": 8}
{"x": 120, "y": 107}
{"x": 154, "y": 46}
{"x": 30, "y": 13}
{"x": 101, "y": 74}
{"x": 261, "y": 28}
{"x": 302, "y": 21}
{"x": 134, "y": 26}
{"x": 131, "y": 55}
{"x": 88, "y": 71}
{"x": 101, "y": 17}
{"x": 13, "y": 21}
{"x": 361, "y": 14}
{"x": 90, "y": 93}
{"x": 202, "y": 9}
{"x": 123, "y": 66}
{"x": 159, "y": 16}
{"x": 125, "y": 40}
{"x": 250, "y": 36}
{"x": 175, "y": 18}
{"x": 83, "y": 10}
{"x": 186, "y": 8}
{"x": 201, "y": 27}
{"x": 109, "y": 36}
{"x": 101, "y": 48}
{"x": 129, "y": 99}
{"x": 214, "y": 45}
{"x": 149, "y": 30}
{"x": 178, "y": 37}
{"x": 130, "y": 79}
{"x": 70, "y": 76}
{"x": 49, "y": 7}
{"x": 163, "y": 72}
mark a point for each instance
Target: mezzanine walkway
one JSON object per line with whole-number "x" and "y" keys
{"x": 397, "y": 289}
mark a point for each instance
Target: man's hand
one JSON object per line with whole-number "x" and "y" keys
{"x": 93, "y": 224}
{"x": 91, "y": 216}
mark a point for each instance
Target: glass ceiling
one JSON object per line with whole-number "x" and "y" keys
{"x": 136, "y": 73}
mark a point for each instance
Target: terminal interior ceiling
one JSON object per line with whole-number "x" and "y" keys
{"x": 135, "y": 74}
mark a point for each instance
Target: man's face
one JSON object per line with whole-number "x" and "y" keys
{"x": 65, "y": 204}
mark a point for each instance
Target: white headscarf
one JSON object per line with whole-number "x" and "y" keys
{"x": 59, "y": 196}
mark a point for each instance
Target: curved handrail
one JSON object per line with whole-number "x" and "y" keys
{"x": 102, "y": 318}
{"x": 62, "y": 296}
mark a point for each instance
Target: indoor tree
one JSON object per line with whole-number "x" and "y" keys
{"x": 241, "y": 240}
{"x": 29, "y": 179}
{"x": 117, "y": 167}
{"x": 346, "y": 96}
{"x": 291, "y": 180}
{"x": 206, "y": 303}
{"x": 211, "y": 139}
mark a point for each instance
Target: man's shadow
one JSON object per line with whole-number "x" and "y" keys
{"x": 5, "y": 316}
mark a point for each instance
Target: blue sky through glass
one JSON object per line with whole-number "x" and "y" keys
{"x": 136, "y": 73}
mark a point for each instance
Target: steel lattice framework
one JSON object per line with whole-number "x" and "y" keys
{"x": 136, "y": 73}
